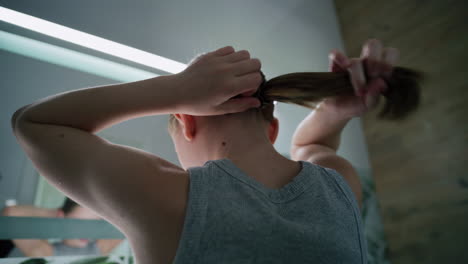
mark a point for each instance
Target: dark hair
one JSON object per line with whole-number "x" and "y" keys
{"x": 68, "y": 205}
{"x": 308, "y": 89}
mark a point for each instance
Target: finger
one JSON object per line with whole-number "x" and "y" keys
{"x": 247, "y": 66}
{"x": 372, "y": 99}
{"x": 372, "y": 53}
{"x": 337, "y": 61}
{"x": 373, "y": 95}
{"x": 249, "y": 93}
{"x": 197, "y": 58}
{"x": 390, "y": 58}
{"x": 357, "y": 76}
{"x": 224, "y": 51}
{"x": 240, "y": 104}
{"x": 237, "y": 56}
{"x": 248, "y": 84}
{"x": 377, "y": 85}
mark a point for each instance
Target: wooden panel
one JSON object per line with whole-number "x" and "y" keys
{"x": 420, "y": 165}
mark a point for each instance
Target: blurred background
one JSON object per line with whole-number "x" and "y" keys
{"x": 414, "y": 172}
{"x": 420, "y": 165}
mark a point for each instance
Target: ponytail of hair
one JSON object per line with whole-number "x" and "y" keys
{"x": 308, "y": 89}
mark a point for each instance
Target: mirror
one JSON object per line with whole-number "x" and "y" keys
{"x": 19, "y": 248}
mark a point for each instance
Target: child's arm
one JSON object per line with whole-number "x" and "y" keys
{"x": 29, "y": 210}
{"x": 317, "y": 139}
{"x": 321, "y": 127}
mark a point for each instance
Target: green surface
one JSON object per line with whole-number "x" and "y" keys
{"x": 60, "y": 228}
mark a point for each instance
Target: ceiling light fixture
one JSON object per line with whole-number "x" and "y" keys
{"x": 90, "y": 41}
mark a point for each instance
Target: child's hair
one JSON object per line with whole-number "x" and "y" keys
{"x": 308, "y": 89}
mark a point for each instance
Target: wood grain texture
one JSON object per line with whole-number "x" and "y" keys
{"x": 420, "y": 165}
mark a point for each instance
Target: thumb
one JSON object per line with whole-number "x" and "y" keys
{"x": 239, "y": 104}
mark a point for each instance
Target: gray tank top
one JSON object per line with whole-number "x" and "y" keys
{"x": 232, "y": 218}
{"x": 60, "y": 249}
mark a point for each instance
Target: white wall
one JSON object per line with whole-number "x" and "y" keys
{"x": 287, "y": 36}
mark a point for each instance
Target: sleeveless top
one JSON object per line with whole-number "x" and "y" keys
{"x": 232, "y": 218}
{"x": 60, "y": 249}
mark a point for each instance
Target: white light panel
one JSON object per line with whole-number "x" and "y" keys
{"x": 90, "y": 41}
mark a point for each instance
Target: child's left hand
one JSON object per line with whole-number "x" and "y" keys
{"x": 208, "y": 85}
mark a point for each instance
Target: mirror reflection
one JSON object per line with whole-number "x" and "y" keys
{"x": 34, "y": 248}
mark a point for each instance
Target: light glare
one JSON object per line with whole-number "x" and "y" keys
{"x": 90, "y": 41}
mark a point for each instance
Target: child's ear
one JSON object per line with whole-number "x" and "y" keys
{"x": 178, "y": 117}
{"x": 188, "y": 125}
{"x": 273, "y": 129}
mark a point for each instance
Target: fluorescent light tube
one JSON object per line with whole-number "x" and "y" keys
{"x": 90, "y": 41}
{"x": 71, "y": 59}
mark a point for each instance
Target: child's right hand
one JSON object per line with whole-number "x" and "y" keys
{"x": 378, "y": 63}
